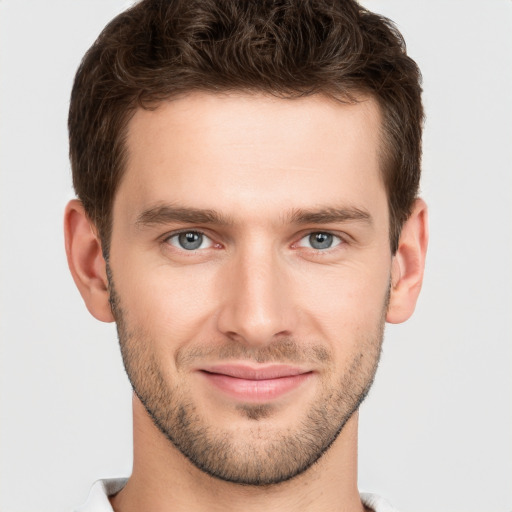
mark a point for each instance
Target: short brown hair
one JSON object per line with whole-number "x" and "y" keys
{"x": 290, "y": 48}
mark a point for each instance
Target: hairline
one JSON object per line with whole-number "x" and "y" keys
{"x": 352, "y": 96}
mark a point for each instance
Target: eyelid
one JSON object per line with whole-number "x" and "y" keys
{"x": 342, "y": 239}
{"x": 174, "y": 234}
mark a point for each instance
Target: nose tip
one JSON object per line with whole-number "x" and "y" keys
{"x": 254, "y": 329}
{"x": 257, "y": 309}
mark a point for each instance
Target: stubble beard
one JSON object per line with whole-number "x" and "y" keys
{"x": 261, "y": 456}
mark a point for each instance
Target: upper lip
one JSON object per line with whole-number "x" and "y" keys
{"x": 248, "y": 372}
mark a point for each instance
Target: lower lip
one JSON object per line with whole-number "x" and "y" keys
{"x": 256, "y": 390}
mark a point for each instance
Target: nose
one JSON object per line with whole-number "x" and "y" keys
{"x": 258, "y": 300}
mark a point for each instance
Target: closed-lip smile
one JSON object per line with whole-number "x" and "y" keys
{"x": 255, "y": 383}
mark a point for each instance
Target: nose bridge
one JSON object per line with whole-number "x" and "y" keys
{"x": 258, "y": 303}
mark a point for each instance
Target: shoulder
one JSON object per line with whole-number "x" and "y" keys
{"x": 376, "y": 503}
{"x": 98, "y": 496}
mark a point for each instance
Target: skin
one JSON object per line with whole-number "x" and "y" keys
{"x": 263, "y": 165}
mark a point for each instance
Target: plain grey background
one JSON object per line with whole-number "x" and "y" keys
{"x": 436, "y": 431}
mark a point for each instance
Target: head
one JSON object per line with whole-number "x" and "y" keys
{"x": 248, "y": 174}
{"x": 161, "y": 49}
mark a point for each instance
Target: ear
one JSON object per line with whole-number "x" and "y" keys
{"x": 86, "y": 262}
{"x": 408, "y": 265}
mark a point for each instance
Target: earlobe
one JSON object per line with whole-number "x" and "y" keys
{"x": 408, "y": 265}
{"x": 86, "y": 262}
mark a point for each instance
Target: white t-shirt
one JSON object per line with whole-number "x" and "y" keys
{"x": 102, "y": 489}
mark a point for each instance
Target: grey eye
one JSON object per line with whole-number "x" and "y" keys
{"x": 321, "y": 240}
{"x": 190, "y": 241}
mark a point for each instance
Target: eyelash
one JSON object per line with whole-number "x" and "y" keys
{"x": 176, "y": 234}
{"x": 334, "y": 236}
{"x": 341, "y": 240}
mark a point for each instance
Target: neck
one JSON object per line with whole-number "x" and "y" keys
{"x": 164, "y": 480}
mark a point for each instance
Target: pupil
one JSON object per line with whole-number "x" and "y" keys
{"x": 320, "y": 240}
{"x": 190, "y": 240}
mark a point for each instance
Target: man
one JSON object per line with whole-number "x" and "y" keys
{"x": 247, "y": 175}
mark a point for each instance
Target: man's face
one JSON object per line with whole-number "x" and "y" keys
{"x": 250, "y": 271}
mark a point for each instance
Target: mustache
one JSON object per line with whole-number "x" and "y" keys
{"x": 285, "y": 350}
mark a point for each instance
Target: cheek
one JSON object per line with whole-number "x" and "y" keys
{"x": 179, "y": 304}
{"x": 345, "y": 302}
{"x": 167, "y": 303}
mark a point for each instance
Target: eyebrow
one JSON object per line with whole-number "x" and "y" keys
{"x": 330, "y": 215}
{"x": 164, "y": 214}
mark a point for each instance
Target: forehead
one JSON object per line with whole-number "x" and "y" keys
{"x": 235, "y": 150}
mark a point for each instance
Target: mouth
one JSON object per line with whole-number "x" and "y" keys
{"x": 255, "y": 383}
